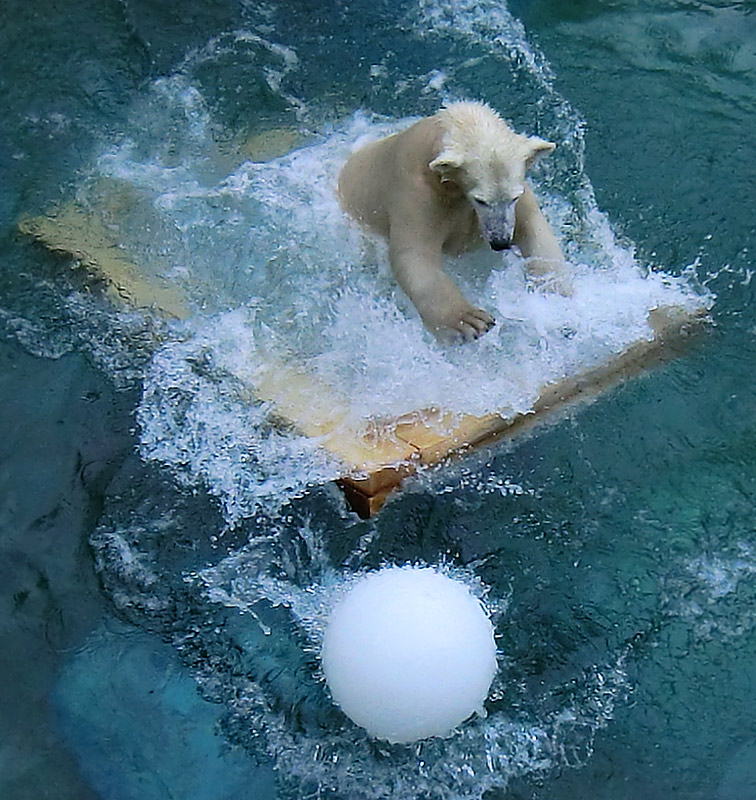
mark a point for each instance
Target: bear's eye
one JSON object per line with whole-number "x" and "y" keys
{"x": 480, "y": 201}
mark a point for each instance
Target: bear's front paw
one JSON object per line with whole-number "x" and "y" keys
{"x": 468, "y": 322}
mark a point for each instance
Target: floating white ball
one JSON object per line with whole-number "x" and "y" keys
{"x": 409, "y": 653}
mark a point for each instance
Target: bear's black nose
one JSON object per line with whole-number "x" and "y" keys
{"x": 500, "y": 244}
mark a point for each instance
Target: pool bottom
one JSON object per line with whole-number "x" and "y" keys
{"x": 149, "y": 734}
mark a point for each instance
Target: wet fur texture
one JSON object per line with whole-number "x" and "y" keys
{"x": 447, "y": 184}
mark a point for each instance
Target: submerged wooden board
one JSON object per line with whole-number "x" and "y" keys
{"x": 297, "y": 399}
{"x": 437, "y": 436}
{"x": 379, "y": 456}
{"x": 74, "y": 231}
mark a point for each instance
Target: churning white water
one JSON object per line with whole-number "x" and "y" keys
{"x": 272, "y": 268}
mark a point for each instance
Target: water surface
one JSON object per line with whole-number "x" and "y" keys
{"x": 164, "y": 545}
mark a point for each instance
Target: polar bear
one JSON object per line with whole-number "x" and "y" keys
{"x": 444, "y": 185}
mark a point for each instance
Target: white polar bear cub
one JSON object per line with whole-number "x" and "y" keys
{"x": 444, "y": 185}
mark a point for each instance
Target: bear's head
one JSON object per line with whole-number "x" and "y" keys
{"x": 482, "y": 156}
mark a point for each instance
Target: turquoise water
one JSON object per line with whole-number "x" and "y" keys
{"x": 168, "y": 557}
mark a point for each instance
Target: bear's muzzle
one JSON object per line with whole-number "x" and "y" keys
{"x": 497, "y": 223}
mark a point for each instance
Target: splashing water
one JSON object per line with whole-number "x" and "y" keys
{"x": 269, "y": 241}
{"x": 269, "y": 264}
{"x": 482, "y": 754}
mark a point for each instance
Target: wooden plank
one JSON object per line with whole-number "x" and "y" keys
{"x": 365, "y": 505}
{"x": 74, "y": 231}
{"x": 297, "y": 399}
{"x": 266, "y": 145}
{"x": 439, "y": 435}
{"x": 376, "y": 456}
{"x": 315, "y": 409}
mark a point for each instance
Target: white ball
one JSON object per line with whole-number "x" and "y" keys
{"x": 409, "y": 653}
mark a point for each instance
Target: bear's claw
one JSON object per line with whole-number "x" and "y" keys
{"x": 474, "y": 323}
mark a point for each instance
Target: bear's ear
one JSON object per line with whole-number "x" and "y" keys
{"x": 537, "y": 148}
{"x": 446, "y": 165}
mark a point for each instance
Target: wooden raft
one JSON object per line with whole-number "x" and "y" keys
{"x": 433, "y": 436}
{"x": 378, "y": 457}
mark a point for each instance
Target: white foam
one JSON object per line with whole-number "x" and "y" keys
{"x": 197, "y": 416}
{"x": 713, "y": 595}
